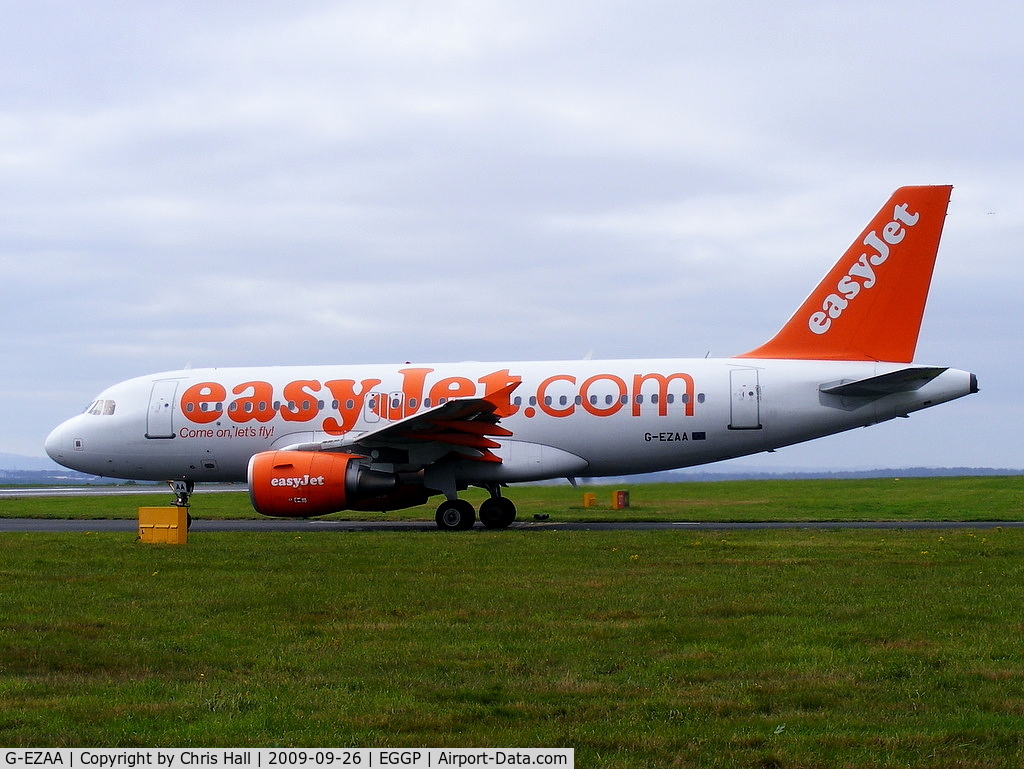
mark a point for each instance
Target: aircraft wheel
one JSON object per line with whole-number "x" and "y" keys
{"x": 497, "y": 512}
{"x": 455, "y": 515}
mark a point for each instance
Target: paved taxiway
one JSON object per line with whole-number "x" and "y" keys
{"x": 8, "y": 525}
{"x": 16, "y": 492}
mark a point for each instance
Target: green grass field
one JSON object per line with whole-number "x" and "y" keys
{"x": 639, "y": 649}
{"x": 931, "y": 499}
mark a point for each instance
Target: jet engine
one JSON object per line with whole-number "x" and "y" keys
{"x": 300, "y": 484}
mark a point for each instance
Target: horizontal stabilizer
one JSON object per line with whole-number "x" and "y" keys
{"x": 904, "y": 380}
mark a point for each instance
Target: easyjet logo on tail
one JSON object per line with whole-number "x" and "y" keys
{"x": 861, "y": 274}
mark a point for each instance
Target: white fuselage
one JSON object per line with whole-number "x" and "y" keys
{"x": 567, "y": 418}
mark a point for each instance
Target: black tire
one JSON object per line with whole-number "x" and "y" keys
{"x": 497, "y": 512}
{"x": 455, "y": 515}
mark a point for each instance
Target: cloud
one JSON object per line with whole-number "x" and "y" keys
{"x": 255, "y": 183}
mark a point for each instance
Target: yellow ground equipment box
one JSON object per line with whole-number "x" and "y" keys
{"x": 589, "y": 500}
{"x": 163, "y": 524}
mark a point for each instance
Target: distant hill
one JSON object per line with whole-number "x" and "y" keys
{"x": 17, "y": 462}
{"x": 739, "y": 473}
{"x": 709, "y": 474}
{"x": 17, "y": 470}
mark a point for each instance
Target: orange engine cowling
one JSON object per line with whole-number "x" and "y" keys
{"x": 299, "y": 484}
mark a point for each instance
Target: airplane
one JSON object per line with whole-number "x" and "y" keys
{"x": 321, "y": 439}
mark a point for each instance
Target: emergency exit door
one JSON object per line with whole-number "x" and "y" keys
{"x": 745, "y": 401}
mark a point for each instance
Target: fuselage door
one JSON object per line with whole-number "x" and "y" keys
{"x": 745, "y": 399}
{"x": 160, "y": 418}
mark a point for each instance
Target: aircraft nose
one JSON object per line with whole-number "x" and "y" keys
{"x": 54, "y": 444}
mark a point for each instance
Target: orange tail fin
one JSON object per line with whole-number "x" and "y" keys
{"x": 869, "y": 307}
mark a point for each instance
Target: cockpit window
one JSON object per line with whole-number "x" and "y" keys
{"x": 101, "y": 408}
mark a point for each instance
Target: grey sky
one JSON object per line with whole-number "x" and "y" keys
{"x": 333, "y": 182}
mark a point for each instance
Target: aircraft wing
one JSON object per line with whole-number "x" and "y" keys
{"x": 464, "y": 426}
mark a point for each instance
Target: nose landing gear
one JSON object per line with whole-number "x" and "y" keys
{"x": 182, "y": 491}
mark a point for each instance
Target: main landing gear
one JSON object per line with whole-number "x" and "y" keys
{"x": 496, "y": 512}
